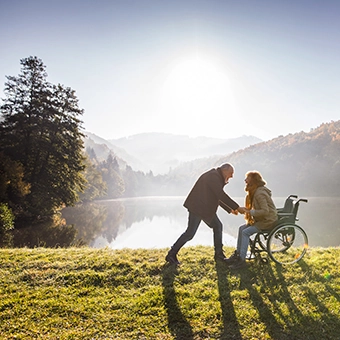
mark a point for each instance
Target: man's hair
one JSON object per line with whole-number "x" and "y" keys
{"x": 226, "y": 166}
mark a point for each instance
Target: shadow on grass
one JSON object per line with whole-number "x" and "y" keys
{"x": 326, "y": 327}
{"x": 231, "y": 327}
{"x": 324, "y": 279}
{"x": 177, "y": 323}
{"x": 263, "y": 276}
{"x": 285, "y": 317}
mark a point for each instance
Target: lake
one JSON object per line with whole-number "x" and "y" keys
{"x": 156, "y": 222}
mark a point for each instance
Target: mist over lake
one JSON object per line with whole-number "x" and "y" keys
{"x": 156, "y": 222}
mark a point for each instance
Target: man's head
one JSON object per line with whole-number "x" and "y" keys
{"x": 227, "y": 171}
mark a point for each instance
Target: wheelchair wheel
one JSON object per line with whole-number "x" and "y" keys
{"x": 287, "y": 244}
{"x": 261, "y": 240}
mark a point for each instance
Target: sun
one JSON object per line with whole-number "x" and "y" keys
{"x": 197, "y": 88}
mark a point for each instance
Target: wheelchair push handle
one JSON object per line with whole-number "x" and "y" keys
{"x": 298, "y": 200}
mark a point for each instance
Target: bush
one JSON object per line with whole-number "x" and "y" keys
{"x": 6, "y": 224}
{"x": 6, "y": 218}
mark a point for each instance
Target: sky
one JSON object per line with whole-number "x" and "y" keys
{"x": 215, "y": 68}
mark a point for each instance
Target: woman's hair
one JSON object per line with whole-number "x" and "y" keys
{"x": 256, "y": 178}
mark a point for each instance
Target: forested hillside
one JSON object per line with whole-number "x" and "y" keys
{"x": 303, "y": 163}
{"x": 307, "y": 164}
{"x": 160, "y": 152}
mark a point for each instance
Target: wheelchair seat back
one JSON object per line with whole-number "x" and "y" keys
{"x": 288, "y": 214}
{"x": 288, "y": 206}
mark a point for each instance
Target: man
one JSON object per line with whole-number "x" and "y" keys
{"x": 202, "y": 203}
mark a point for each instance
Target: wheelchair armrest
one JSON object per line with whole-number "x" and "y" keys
{"x": 284, "y": 215}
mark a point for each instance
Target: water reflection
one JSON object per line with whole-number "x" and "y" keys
{"x": 156, "y": 222}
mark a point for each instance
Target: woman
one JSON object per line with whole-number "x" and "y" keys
{"x": 260, "y": 214}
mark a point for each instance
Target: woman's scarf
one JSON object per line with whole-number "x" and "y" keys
{"x": 249, "y": 205}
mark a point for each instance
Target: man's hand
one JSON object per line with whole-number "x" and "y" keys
{"x": 235, "y": 212}
{"x": 242, "y": 210}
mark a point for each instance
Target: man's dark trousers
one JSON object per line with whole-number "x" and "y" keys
{"x": 193, "y": 223}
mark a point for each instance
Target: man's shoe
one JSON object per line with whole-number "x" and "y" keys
{"x": 172, "y": 258}
{"x": 235, "y": 257}
{"x": 220, "y": 257}
{"x": 239, "y": 264}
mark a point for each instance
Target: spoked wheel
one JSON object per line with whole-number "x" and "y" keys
{"x": 287, "y": 244}
{"x": 261, "y": 240}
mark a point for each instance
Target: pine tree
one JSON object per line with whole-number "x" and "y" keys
{"x": 111, "y": 176}
{"x": 41, "y": 129}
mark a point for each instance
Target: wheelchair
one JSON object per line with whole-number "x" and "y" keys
{"x": 286, "y": 243}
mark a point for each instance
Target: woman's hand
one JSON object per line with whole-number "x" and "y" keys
{"x": 242, "y": 210}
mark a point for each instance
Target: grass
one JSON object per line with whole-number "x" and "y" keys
{"x": 84, "y": 293}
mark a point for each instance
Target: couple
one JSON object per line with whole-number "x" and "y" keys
{"x": 202, "y": 203}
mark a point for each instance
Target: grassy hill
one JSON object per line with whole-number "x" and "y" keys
{"x": 84, "y": 293}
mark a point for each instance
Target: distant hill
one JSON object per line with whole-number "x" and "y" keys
{"x": 304, "y": 163}
{"x": 301, "y": 163}
{"x": 103, "y": 148}
{"x": 161, "y": 152}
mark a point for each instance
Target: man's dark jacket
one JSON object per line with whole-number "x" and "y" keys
{"x": 207, "y": 194}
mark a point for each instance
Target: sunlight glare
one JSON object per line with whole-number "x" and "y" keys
{"x": 197, "y": 90}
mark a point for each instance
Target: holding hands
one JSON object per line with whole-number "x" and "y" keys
{"x": 242, "y": 210}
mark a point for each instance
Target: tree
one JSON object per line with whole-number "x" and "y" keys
{"x": 6, "y": 224}
{"x": 130, "y": 181}
{"x": 92, "y": 155}
{"x": 111, "y": 176}
{"x": 95, "y": 186}
{"x": 40, "y": 129}
{"x": 12, "y": 187}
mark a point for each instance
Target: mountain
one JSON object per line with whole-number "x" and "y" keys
{"x": 103, "y": 148}
{"x": 161, "y": 152}
{"x": 304, "y": 163}
{"x": 301, "y": 163}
